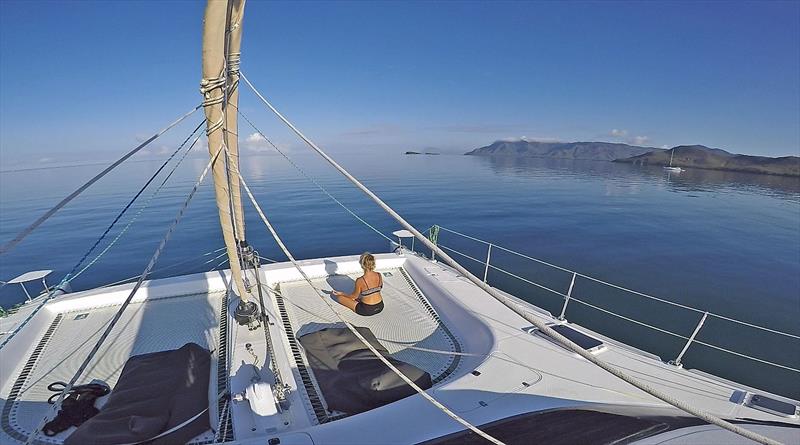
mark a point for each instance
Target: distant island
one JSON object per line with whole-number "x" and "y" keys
{"x": 420, "y": 153}
{"x": 593, "y": 151}
{"x": 686, "y": 156}
{"x": 699, "y": 156}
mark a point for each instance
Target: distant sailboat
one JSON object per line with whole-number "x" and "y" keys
{"x": 669, "y": 167}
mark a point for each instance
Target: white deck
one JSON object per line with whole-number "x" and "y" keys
{"x": 518, "y": 372}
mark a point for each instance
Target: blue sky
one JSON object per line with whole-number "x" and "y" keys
{"x": 94, "y": 77}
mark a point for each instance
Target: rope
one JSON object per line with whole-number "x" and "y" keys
{"x": 27, "y": 231}
{"x": 546, "y": 330}
{"x": 597, "y": 280}
{"x": 173, "y": 265}
{"x": 310, "y": 178}
{"x": 141, "y": 209}
{"x": 223, "y": 414}
{"x": 69, "y": 277}
{"x": 127, "y": 302}
{"x": 232, "y": 65}
{"x": 355, "y": 332}
{"x": 208, "y": 85}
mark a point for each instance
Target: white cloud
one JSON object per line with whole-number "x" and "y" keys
{"x": 618, "y": 133}
{"x": 255, "y": 138}
{"x": 622, "y": 136}
{"x": 254, "y": 142}
{"x": 530, "y": 139}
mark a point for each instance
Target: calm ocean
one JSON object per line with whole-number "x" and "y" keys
{"x": 728, "y": 243}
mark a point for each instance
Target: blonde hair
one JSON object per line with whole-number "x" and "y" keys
{"x": 367, "y": 261}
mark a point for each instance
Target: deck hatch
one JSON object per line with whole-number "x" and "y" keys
{"x": 771, "y": 405}
{"x": 585, "y": 341}
{"x": 581, "y": 339}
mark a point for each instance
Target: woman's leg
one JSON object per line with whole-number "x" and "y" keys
{"x": 348, "y": 302}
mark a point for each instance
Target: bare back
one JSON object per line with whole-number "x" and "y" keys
{"x": 369, "y": 287}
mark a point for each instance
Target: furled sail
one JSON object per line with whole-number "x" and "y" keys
{"x": 213, "y": 88}
{"x": 231, "y": 116}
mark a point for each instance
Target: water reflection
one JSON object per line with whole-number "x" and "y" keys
{"x": 690, "y": 180}
{"x": 715, "y": 180}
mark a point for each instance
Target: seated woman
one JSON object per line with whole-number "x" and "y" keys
{"x": 366, "y": 298}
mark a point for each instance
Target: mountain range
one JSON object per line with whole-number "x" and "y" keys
{"x": 595, "y": 151}
{"x": 685, "y": 156}
{"x": 699, "y": 156}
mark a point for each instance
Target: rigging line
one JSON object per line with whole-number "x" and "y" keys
{"x": 778, "y": 365}
{"x": 141, "y": 209}
{"x": 501, "y": 270}
{"x": 622, "y": 288}
{"x": 664, "y": 331}
{"x": 27, "y": 231}
{"x": 310, "y": 178}
{"x": 219, "y": 265}
{"x": 179, "y": 263}
{"x": 127, "y": 301}
{"x": 355, "y": 332}
{"x": 67, "y": 278}
{"x": 543, "y": 327}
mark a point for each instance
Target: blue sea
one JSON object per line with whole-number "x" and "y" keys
{"x": 723, "y": 242}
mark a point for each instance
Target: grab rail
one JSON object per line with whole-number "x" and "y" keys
{"x": 567, "y": 297}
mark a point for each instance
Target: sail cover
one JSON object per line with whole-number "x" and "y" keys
{"x": 351, "y": 378}
{"x": 156, "y": 392}
{"x": 213, "y": 89}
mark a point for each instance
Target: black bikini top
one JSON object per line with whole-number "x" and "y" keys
{"x": 372, "y": 290}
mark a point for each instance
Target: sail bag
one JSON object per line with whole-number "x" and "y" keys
{"x": 155, "y": 393}
{"x": 351, "y": 378}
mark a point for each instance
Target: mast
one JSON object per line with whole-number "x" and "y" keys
{"x": 213, "y": 88}
{"x": 671, "y": 156}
